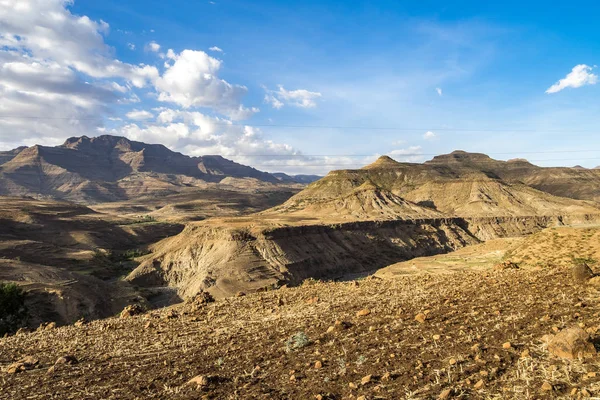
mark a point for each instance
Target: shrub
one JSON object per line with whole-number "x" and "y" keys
{"x": 297, "y": 341}
{"x": 12, "y": 308}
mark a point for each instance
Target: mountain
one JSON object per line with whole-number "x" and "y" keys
{"x": 355, "y": 221}
{"x": 576, "y": 183}
{"x": 456, "y": 184}
{"x": 302, "y": 179}
{"x": 109, "y": 168}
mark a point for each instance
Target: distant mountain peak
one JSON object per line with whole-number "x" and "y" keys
{"x": 383, "y": 162}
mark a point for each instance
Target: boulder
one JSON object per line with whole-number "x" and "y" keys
{"x": 581, "y": 272}
{"x": 572, "y": 343}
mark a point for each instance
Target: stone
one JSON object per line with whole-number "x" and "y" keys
{"x": 525, "y": 354}
{"x": 200, "y": 300}
{"x": 479, "y": 384}
{"x": 581, "y": 272}
{"x": 67, "y": 360}
{"x": 132, "y": 310}
{"x": 199, "y": 381}
{"x": 318, "y": 365}
{"x": 420, "y": 318}
{"x": 24, "y": 364}
{"x": 506, "y": 265}
{"x": 594, "y": 281}
{"x": 312, "y": 300}
{"x": 436, "y": 337}
{"x": 363, "y": 313}
{"x": 452, "y": 361}
{"x": 366, "y": 379}
{"x": 80, "y": 322}
{"x": 506, "y": 345}
{"x": 572, "y": 343}
{"x": 546, "y": 387}
{"x": 445, "y": 394}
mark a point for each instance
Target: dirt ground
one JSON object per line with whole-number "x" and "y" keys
{"x": 478, "y": 328}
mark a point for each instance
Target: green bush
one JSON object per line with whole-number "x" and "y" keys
{"x": 12, "y": 308}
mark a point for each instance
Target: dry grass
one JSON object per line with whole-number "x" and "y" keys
{"x": 241, "y": 343}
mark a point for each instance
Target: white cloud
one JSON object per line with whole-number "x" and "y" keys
{"x": 197, "y": 134}
{"x": 439, "y": 91}
{"x": 59, "y": 78}
{"x": 298, "y": 98}
{"x": 429, "y": 135}
{"x": 579, "y": 76}
{"x": 153, "y": 46}
{"x": 192, "y": 81}
{"x": 216, "y": 49}
{"x": 408, "y": 154}
{"x": 139, "y": 115}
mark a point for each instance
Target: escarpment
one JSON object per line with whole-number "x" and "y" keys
{"x": 225, "y": 260}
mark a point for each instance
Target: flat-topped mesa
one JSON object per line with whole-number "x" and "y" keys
{"x": 383, "y": 162}
{"x": 460, "y": 156}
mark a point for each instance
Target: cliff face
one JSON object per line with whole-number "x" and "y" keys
{"x": 226, "y": 260}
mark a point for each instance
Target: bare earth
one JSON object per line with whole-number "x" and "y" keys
{"x": 239, "y": 344}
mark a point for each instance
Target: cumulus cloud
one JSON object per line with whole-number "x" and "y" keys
{"x": 579, "y": 76}
{"x": 429, "y": 135}
{"x": 408, "y": 154}
{"x": 56, "y": 66}
{"x": 192, "y": 81}
{"x": 59, "y": 78}
{"x": 195, "y": 133}
{"x": 139, "y": 115}
{"x": 439, "y": 91}
{"x": 297, "y": 98}
{"x": 153, "y": 46}
{"x": 216, "y": 49}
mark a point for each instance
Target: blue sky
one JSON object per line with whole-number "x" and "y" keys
{"x": 292, "y": 80}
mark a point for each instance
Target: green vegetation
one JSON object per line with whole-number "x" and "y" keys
{"x": 297, "y": 341}
{"x": 12, "y": 308}
{"x": 107, "y": 264}
{"x": 589, "y": 261}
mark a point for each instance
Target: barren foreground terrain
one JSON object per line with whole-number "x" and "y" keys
{"x": 462, "y": 335}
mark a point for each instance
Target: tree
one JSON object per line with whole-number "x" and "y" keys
{"x": 12, "y": 308}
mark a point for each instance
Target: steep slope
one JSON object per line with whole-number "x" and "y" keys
{"x": 109, "y": 168}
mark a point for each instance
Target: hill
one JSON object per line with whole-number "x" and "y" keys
{"x": 356, "y": 221}
{"x": 303, "y": 179}
{"x": 482, "y": 335}
{"x": 457, "y": 184}
{"x": 576, "y": 183}
{"x": 111, "y": 168}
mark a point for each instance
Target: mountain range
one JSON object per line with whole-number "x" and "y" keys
{"x": 111, "y": 168}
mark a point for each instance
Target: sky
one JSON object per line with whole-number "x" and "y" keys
{"x": 306, "y": 87}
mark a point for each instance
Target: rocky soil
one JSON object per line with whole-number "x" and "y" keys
{"x": 476, "y": 335}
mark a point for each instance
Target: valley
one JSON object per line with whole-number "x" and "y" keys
{"x": 369, "y": 282}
